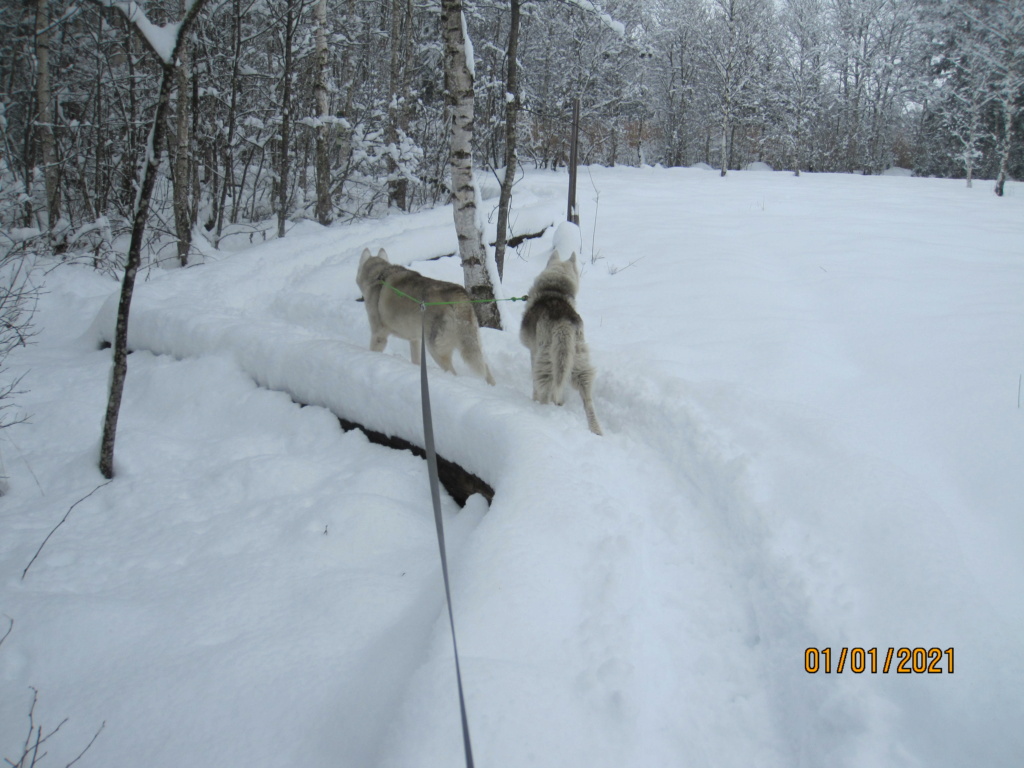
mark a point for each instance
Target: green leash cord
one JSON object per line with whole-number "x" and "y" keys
{"x": 447, "y": 303}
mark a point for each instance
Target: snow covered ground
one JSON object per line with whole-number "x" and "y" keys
{"x": 814, "y": 436}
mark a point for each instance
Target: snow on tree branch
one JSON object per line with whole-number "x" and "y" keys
{"x": 163, "y": 41}
{"x": 615, "y": 26}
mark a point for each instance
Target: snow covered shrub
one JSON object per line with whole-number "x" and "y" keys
{"x": 18, "y": 296}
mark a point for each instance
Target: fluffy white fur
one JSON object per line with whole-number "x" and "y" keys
{"x": 552, "y": 330}
{"x": 448, "y": 326}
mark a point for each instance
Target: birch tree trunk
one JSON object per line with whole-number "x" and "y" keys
{"x": 1007, "y": 32}
{"x": 968, "y": 128}
{"x": 324, "y": 203}
{"x": 725, "y": 138}
{"x": 511, "y": 159}
{"x": 458, "y": 71}
{"x": 1005, "y": 145}
{"x": 999, "y": 25}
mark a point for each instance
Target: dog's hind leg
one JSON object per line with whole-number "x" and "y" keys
{"x": 562, "y": 354}
{"x": 488, "y": 377}
{"x": 478, "y": 365}
{"x": 440, "y": 344}
{"x": 533, "y": 374}
{"x": 443, "y": 358}
{"x": 588, "y": 408}
{"x": 540, "y": 365}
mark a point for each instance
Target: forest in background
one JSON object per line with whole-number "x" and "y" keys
{"x": 335, "y": 109}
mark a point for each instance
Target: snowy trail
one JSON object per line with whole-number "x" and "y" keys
{"x": 634, "y": 557}
{"x": 843, "y": 538}
{"x": 771, "y": 614}
{"x": 807, "y": 444}
{"x": 500, "y": 435}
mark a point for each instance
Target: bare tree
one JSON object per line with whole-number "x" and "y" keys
{"x": 227, "y": 147}
{"x": 1000, "y": 27}
{"x": 969, "y": 96}
{"x": 18, "y": 297}
{"x": 675, "y": 84}
{"x": 733, "y": 50}
{"x": 459, "y": 72}
{"x": 677, "y": 71}
{"x": 44, "y": 119}
{"x": 398, "y": 100}
{"x": 149, "y": 171}
{"x": 183, "y": 166}
{"x": 324, "y": 202}
{"x": 293, "y": 9}
{"x": 803, "y": 75}
{"x": 512, "y": 105}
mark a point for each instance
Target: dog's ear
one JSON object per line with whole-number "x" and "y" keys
{"x": 382, "y": 254}
{"x": 554, "y": 258}
{"x": 366, "y": 255}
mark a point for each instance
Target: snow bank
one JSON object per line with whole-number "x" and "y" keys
{"x": 808, "y": 388}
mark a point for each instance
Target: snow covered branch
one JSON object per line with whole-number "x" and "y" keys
{"x": 615, "y": 26}
{"x": 163, "y": 41}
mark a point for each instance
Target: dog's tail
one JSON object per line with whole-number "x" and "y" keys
{"x": 563, "y": 358}
{"x": 469, "y": 343}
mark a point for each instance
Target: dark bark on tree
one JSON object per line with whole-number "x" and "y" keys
{"x": 193, "y": 155}
{"x": 44, "y": 118}
{"x": 1006, "y": 144}
{"x": 511, "y": 118}
{"x": 324, "y": 202}
{"x": 284, "y": 160}
{"x": 571, "y": 212}
{"x": 459, "y": 86}
{"x": 398, "y": 110}
{"x": 128, "y": 180}
{"x": 183, "y": 153}
{"x": 150, "y": 171}
{"x": 101, "y": 187}
{"x": 228, "y": 180}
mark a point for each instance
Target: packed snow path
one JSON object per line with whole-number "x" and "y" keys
{"x": 611, "y": 512}
{"x": 782, "y": 469}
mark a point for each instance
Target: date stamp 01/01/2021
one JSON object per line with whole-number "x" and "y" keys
{"x": 903, "y": 661}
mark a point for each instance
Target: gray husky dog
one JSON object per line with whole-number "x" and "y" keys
{"x": 553, "y": 332}
{"x": 448, "y": 326}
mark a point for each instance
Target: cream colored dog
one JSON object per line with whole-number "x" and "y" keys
{"x": 449, "y": 326}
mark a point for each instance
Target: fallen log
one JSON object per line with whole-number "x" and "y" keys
{"x": 460, "y": 483}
